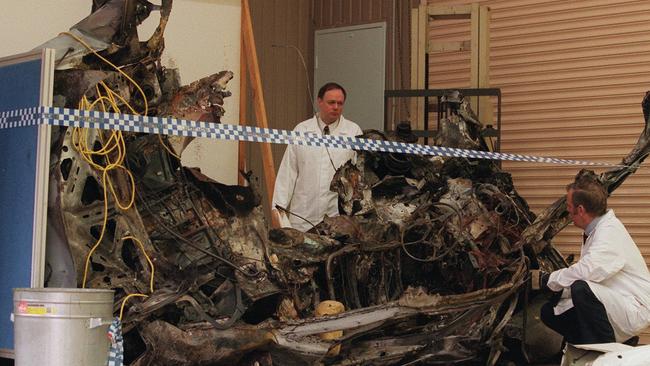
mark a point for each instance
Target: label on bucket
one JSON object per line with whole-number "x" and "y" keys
{"x": 35, "y": 309}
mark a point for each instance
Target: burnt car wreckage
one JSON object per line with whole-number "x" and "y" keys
{"x": 429, "y": 256}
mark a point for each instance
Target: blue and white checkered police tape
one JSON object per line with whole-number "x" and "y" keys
{"x": 180, "y": 127}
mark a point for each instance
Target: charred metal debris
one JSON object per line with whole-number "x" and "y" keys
{"x": 429, "y": 256}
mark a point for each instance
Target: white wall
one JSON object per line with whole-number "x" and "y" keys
{"x": 202, "y": 37}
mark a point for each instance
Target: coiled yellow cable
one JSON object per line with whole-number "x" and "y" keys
{"x": 113, "y": 151}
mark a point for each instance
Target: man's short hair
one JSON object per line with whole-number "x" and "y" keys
{"x": 589, "y": 193}
{"x": 331, "y": 86}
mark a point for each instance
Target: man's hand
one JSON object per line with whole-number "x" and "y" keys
{"x": 539, "y": 279}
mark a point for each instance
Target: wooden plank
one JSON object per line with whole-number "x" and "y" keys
{"x": 474, "y": 53}
{"x": 449, "y": 12}
{"x": 418, "y": 41}
{"x": 243, "y": 108}
{"x": 250, "y": 53}
{"x": 485, "y": 110}
{"x": 448, "y": 46}
{"x": 413, "y": 106}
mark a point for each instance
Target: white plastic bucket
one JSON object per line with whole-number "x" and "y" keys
{"x": 61, "y": 326}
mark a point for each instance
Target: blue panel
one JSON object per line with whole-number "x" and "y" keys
{"x": 20, "y": 86}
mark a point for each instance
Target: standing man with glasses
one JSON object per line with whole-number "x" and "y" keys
{"x": 605, "y": 296}
{"x": 302, "y": 186}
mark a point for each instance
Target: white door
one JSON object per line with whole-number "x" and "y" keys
{"x": 354, "y": 57}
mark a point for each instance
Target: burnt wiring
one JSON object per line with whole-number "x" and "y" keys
{"x": 502, "y": 208}
{"x": 426, "y": 238}
{"x": 200, "y": 213}
{"x": 450, "y": 248}
{"x": 186, "y": 241}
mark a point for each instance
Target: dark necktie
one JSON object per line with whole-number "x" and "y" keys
{"x": 326, "y": 130}
{"x": 584, "y": 238}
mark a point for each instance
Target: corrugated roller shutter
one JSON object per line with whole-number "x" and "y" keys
{"x": 572, "y": 75}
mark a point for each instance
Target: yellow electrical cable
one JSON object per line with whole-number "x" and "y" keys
{"x": 150, "y": 281}
{"x": 109, "y": 91}
{"x": 124, "y": 302}
{"x": 98, "y": 100}
{"x": 105, "y": 212}
{"x": 101, "y": 236}
{"x": 146, "y": 256}
{"x": 144, "y": 97}
{"x": 125, "y": 103}
{"x": 98, "y": 94}
{"x": 167, "y": 148}
{"x": 113, "y": 144}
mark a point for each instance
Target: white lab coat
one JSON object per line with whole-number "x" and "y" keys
{"x": 305, "y": 174}
{"x": 612, "y": 265}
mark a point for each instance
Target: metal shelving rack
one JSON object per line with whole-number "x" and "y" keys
{"x": 439, "y": 93}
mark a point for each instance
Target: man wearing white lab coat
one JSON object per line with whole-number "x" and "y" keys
{"x": 605, "y": 296}
{"x": 303, "y": 182}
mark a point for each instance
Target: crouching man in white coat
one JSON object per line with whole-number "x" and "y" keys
{"x": 605, "y": 296}
{"x": 303, "y": 182}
